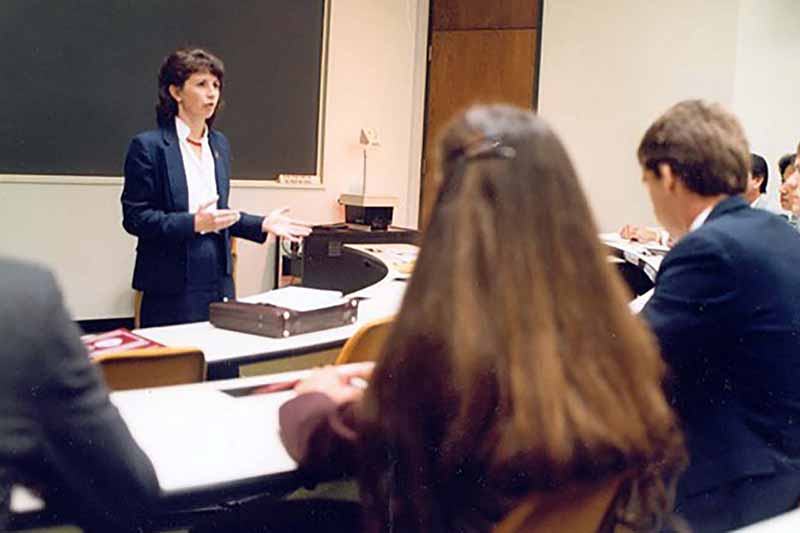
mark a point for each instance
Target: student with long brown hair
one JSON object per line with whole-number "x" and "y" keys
{"x": 514, "y": 367}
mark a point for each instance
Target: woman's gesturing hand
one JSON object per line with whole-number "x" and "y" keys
{"x": 281, "y": 225}
{"x": 208, "y": 218}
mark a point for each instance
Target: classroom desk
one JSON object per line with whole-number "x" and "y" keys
{"x": 647, "y": 257}
{"x": 225, "y": 350}
{"x": 642, "y": 261}
{"x": 786, "y": 523}
{"x": 207, "y": 447}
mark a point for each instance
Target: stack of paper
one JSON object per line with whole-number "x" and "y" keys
{"x": 298, "y": 298}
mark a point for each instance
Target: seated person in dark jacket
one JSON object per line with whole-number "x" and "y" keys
{"x": 726, "y": 310}
{"x": 514, "y": 367}
{"x": 58, "y": 431}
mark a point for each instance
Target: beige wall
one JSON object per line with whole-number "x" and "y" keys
{"x": 609, "y": 68}
{"x": 768, "y": 79}
{"x": 375, "y": 78}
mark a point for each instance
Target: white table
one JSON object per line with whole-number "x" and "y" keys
{"x": 225, "y": 349}
{"x": 207, "y": 447}
{"x": 646, "y": 257}
{"x": 785, "y": 523}
{"x": 206, "y": 443}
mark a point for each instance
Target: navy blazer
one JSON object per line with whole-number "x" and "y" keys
{"x": 726, "y": 311}
{"x": 58, "y": 429}
{"x": 155, "y": 208}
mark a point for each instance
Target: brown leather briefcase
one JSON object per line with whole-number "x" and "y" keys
{"x": 274, "y": 321}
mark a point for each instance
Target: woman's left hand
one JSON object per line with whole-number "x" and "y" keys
{"x": 281, "y": 225}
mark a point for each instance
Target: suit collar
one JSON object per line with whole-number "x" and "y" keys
{"x": 177, "y": 174}
{"x": 219, "y": 169}
{"x": 175, "y": 170}
{"x": 168, "y": 134}
{"x": 728, "y": 205}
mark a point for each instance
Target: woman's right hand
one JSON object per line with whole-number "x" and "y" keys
{"x": 338, "y": 385}
{"x": 208, "y": 218}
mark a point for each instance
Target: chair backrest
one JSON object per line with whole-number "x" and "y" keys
{"x": 582, "y": 508}
{"x": 366, "y": 343}
{"x": 137, "y": 309}
{"x": 234, "y": 260}
{"x": 152, "y": 367}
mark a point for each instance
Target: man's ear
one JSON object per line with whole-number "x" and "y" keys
{"x": 668, "y": 178}
{"x": 757, "y": 181}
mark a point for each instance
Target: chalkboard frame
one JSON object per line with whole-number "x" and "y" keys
{"x": 316, "y": 181}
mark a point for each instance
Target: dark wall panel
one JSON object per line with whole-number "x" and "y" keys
{"x": 79, "y": 80}
{"x": 484, "y": 14}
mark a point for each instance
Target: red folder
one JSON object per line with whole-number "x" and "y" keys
{"x": 117, "y": 340}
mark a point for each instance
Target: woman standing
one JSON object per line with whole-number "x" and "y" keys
{"x": 175, "y": 198}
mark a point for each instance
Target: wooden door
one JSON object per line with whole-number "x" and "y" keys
{"x": 474, "y": 60}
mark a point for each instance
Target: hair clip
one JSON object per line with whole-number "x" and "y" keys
{"x": 488, "y": 148}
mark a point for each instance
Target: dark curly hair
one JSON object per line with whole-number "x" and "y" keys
{"x": 175, "y": 70}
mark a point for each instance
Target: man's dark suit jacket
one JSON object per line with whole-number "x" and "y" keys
{"x": 726, "y": 310}
{"x": 155, "y": 208}
{"x": 58, "y": 430}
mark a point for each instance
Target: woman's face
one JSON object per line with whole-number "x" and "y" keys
{"x": 198, "y": 98}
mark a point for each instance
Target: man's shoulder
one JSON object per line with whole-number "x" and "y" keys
{"x": 704, "y": 240}
{"x": 26, "y": 289}
{"x": 753, "y": 229}
{"x": 19, "y": 274}
{"x": 742, "y": 240}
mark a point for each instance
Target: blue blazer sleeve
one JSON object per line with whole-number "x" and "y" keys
{"x": 145, "y": 195}
{"x": 249, "y": 227}
{"x": 694, "y": 299}
{"x": 57, "y": 417}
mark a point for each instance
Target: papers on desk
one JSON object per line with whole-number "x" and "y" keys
{"x": 298, "y": 298}
{"x": 23, "y": 500}
{"x": 649, "y": 248}
{"x": 638, "y": 303}
{"x": 400, "y": 258}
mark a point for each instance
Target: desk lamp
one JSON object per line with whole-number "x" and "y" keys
{"x": 374, "y": 211}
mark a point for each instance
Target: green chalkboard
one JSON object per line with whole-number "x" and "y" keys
{"x": 80, "y": 79}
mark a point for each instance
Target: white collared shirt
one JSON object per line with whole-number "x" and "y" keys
{"x": 201, "y": 181}
{"x": 756, "y": 204}
{"x": 700, "y": 218}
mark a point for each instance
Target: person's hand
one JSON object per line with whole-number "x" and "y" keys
{"x": 281, "y": 225}
{"x": 789, "y": 194}
{"x": 208, "y": 218}
{"x": 640, "y": 234}
{"x": 338, "y": 386}
{"x": 357, "y": 372}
